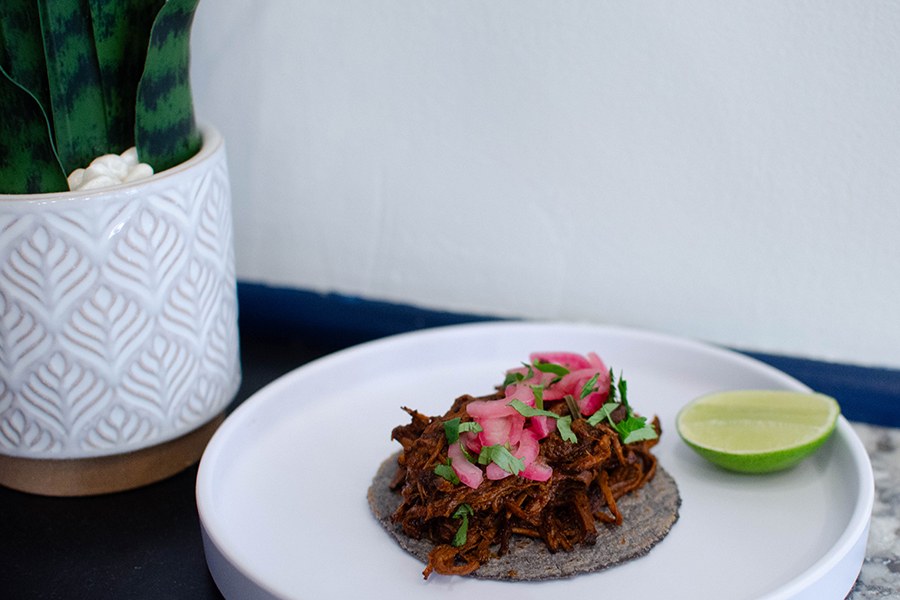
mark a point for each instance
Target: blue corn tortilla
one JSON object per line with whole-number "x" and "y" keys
{"x": 648, "y": 515}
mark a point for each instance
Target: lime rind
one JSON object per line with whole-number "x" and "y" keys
{"x": 775, "y": 430}
{"x": 765, "y": 462}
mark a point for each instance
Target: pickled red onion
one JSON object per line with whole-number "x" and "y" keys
{"x": 468, "y": 473}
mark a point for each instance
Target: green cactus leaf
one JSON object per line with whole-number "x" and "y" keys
{"x": 76, "y": 92}
{"x": 166, "y": 132}
{"x": 121, "y": 31}
{"x": 28, "y": 164}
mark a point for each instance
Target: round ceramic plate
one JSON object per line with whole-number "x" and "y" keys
{"x": 281, "y": 489}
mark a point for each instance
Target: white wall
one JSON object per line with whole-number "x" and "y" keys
{"x": 728, "y": 171}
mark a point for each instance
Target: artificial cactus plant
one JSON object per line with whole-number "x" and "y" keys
{"x": 82, "y": 78}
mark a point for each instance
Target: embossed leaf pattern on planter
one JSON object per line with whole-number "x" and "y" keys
{"x": 219, "y": 351}
{"x": 18, "y": 431}
{"x": 210, "y": 241}
{"x": 119, "y": 428}
{"x": 63, "y": 395}
{"x": 29, "y": 339}
{"x": 118, "y": 319}
{"x": 107, "y": 328}
{"x": 148, "y": 255}
{"x": 200, "y": 400}
{"x": 191, "y": 302}
{"x": 46, "y": 271}
{"x": 160, "y": 378}
{"x": 6, "y": 397}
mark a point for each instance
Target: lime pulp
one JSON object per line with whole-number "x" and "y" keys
{"x": 757, "y": 431}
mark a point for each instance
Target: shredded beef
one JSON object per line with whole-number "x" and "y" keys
{"x": 588, "y": 477}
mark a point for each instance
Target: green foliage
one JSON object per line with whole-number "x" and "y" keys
{"x": 121, "y": 35}
{"x": 29, "y": 166}
{"x": 166, "y": 133}
{"x": 28, "y": 161}
{"x": 82, "y": 78}
{"x": 76, "y": 91}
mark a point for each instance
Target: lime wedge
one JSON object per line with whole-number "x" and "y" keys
{"x": 757, "y": 431}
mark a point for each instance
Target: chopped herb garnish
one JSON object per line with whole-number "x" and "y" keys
{"x": 516, "y": 377}
{"x": 634, "y": 429}
{"x": 511, "y": 378}
{"x": 549, "y": 367}
{"x": 462, "y": 512}
{"x": 470, "y": 427}
{"x": 467, "y": 454}
{"x": 604, "y": 413}
{"x": 630, "y": 429}
{"x": 623, "y": 390}
{"x": 589, "y": 386}
{"x": 451, "y": 430}
{"x": 454, "y": 427}
{"x": 613, "y": 393}
{"x": 538, "y": 396}
{"x": 446, "y": 471}
{"x": 502, "y": 457}
{"x": 637, "y": 430}
{"x": 528, "y": 411}
{"x": 564, "y": 425}
{"x": 618, "y": 392}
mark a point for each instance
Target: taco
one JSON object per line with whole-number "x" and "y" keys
{"x": 549, "y": 477}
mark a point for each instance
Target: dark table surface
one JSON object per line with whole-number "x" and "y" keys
{"x": 143, "y": 543}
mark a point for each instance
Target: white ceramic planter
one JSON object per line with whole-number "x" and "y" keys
{"x": 118, "y": 328}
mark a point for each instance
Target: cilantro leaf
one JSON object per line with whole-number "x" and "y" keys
{"x": 453, "y": 427}
{"x": 451, "y": 430}
{"x": 552, "y": 368}
{"x": 605, "y": 412}
{"x": 634, "y": 429}
{"x": 623, "y": 390}
{"x": 630, "y": 429}
{"x": 639, "y": 435}
{"x": 502, "y": 457}
{"x": 538, "y": 396}
{"x": 446, "y": 471}
{"x": 462, "y": 512}
{"x": 564, "y": 425}
{"x": 528, "y": 411}
{"x": 613, "y": 391}
{"x": 470, "y": 426}
{"x": 467, "y": 454}
{"x": 514, "y": 377}
{"x": 589, "y": 386}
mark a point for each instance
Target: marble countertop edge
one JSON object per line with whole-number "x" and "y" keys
{"x": 880, "y": 574}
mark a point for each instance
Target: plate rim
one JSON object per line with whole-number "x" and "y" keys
{"x": 854, "y": 534}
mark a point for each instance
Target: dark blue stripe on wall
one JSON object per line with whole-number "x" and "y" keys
{"x": 336, "y": 321}
{"x": 866, "y": 394}
{"x": 342, "y": 320}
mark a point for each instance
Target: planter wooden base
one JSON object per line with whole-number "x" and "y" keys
{"x": 105, "y": 474}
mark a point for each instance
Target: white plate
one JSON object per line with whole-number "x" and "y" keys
{"x": 281, "y": 489}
